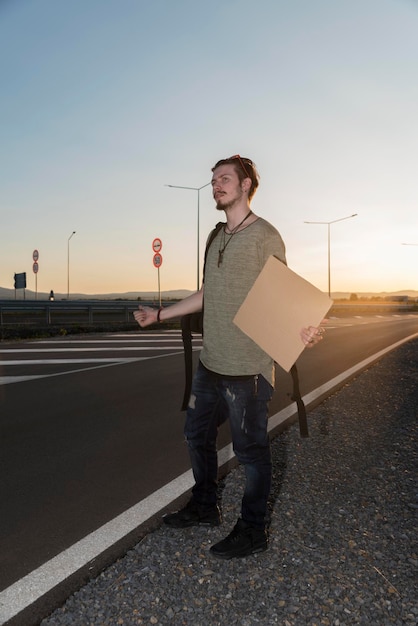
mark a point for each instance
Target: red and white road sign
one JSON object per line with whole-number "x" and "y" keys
{"x": 35, "y": 267}
{"x": 35, "y": 255}
{"x": 157, "y": 244}
{"x": 157, "y": 260}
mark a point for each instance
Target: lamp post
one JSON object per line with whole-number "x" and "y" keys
{"x": 198, "y": 189}
{"x": 329, "y": 244}
{"x": 68, "y": 265}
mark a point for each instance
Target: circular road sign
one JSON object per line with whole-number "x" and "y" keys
{"x": 157, "y": 244}
{"x": 35, "y": 268}
{"x": 157, "y": 259}
{"x": 35, "y": 255}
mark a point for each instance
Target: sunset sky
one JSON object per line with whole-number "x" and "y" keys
{"x": 105, "y": 102}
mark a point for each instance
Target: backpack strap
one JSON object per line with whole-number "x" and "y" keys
{"x": 296, "y": 397}
{"x": 193, "y": 322}
{"x": 186, "y": 335}
{"x": 211, "y": 237}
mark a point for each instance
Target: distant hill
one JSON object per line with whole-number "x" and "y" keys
{"x": 175, "y": 294}
{"x": 340, "y": 295}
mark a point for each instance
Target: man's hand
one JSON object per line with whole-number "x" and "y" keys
{"x": 312, "y": 335}
{"x": 145, "y": 316}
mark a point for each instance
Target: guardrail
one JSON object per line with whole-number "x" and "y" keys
{"x": 347, "y": 309}
{"x": 27, "y": 313}
{"x": 33, "y": 313}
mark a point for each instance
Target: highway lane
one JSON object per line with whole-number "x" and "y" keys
{"x": 90, "y": 426}
{"x": 82, "y": 439}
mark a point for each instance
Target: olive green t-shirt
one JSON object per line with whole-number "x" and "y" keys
{"x": 226, "y": 349}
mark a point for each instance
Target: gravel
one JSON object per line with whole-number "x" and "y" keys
{"x": 343, "y": 529}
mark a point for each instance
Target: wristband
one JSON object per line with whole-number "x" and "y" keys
{"x": 158, "y": 314}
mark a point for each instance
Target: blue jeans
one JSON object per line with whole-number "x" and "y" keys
{"x": 244, "y": 401}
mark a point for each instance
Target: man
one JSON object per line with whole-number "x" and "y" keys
{"x": 235, "y": 378}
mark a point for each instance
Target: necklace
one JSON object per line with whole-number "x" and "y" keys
{"x": 231, "y": 234}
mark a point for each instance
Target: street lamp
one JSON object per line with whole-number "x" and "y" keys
{"x": 68, "y": 265}
{"x": 198, "y": 223}
{"x": 329, "y": 244}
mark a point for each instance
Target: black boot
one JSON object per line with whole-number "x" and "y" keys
{"x": 193, "y": 515}
{"x": 242, "y": 541}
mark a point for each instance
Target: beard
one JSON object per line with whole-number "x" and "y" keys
{"x": 225, "y": 206}
{"x": 228, "y": 204}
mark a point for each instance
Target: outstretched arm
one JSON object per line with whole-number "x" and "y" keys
{"x": 146, "y": 315}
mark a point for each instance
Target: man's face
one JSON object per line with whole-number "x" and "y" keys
{"x": 226, "y": 187}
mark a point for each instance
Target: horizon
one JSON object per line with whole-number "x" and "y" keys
{"x": 169, "y": 293}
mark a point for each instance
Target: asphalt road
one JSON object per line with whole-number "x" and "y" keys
{"x": 90, "y": 426}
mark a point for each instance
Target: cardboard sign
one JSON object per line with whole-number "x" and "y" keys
{"x": 277, "y": 307}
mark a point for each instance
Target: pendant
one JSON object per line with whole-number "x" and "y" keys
{"x": 220, "y": 257}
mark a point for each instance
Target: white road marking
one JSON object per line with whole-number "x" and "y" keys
{"x": 6, "y": 380}
{"x": 169, "y": 350}
{"x": 106, "y": 341}
{"x": 82, "y": 349}
{"x": 68, "y": 361}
